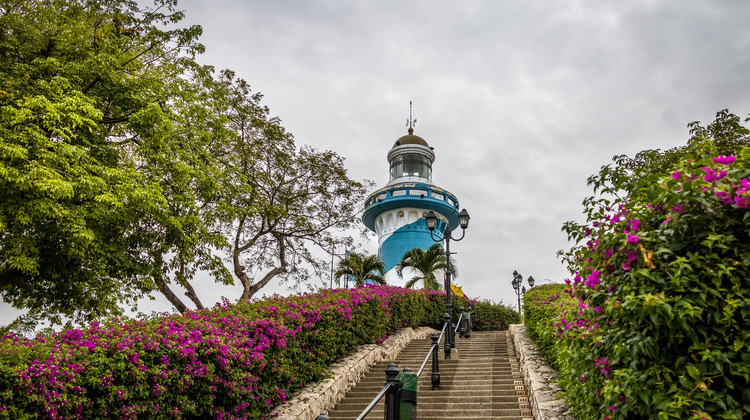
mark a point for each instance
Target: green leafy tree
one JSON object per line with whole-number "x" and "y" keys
{"x": 101, "y": 172}
{"x": 425, "y": 263}
{"x": 362, "y": 269}
{"x": 282, "y": 201}
{"x": 125, "y": 167}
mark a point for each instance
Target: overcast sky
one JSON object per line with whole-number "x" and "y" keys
{"x": 521, "y": 100}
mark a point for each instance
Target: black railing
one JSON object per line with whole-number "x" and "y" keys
{"x": 392, "y": 389}
{"x": 435, "y": 377}
{"x": 391, "y": 392}
{"x": 464, "y": 326}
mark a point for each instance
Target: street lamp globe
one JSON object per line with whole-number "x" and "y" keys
{"x": 431, "y": 219}
{"x": 463, "y": 218}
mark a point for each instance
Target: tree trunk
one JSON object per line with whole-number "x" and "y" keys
{"x": 171, "y": 297}
{"x": 192, "y": 295}
{"x": 248, "y": 290}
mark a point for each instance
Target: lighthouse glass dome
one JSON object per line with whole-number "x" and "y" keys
{"x": 411, "y": 164}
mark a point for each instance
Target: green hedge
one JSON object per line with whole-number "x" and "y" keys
{"x": 489, "y": 316}
{"x": 543, "y": 306}
{"x": 232, "y": 361}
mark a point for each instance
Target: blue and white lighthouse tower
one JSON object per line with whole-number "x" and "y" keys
{"x": 396, "y": 212}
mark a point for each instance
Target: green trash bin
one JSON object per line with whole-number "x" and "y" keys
{"x": 408, "y": 401}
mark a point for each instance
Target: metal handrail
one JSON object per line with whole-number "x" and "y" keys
{"x": 429, "y": 353}
{"x": 460, "y": 318}
{"x": 392, "y": 370}
{"x": 375, "y": 401}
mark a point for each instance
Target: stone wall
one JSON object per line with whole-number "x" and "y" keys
{"x": 539, "y": 378}
{"x": 321, "y": 397}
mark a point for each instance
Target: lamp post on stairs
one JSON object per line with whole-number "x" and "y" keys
{"x": 517, "y": 281}
{"x": 463, "y": 221}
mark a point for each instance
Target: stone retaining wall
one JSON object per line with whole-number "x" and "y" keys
{"x": 538, "y": 377}
{"x": 321, "y": 397}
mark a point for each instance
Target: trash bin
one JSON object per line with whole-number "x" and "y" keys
{"x": 408, "y": 400}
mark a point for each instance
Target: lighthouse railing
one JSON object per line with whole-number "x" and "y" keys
{"x": 412, "y": 189}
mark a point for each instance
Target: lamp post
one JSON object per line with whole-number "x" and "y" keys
{"x": 463, "y": 221}
{"x": 516, "y": 282}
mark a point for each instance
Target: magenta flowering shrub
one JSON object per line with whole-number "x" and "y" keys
{"x": 232, "y": 361}
{"x": 542, "y": 306}
{"x": 660, "y": 325}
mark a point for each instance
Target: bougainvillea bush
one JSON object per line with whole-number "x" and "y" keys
{"x": 542, "y": 306}
{"x": 233, "y": 361}
{"x": 661, "y": 274}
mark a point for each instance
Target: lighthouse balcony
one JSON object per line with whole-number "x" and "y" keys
{"x": 414, "y": 195}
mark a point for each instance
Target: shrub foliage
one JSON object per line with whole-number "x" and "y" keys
{"x": 489, "y": 316}
{"x": 543, "y": 305}
{"x": 661, "y": 274}
{"x": 233, "y": 361}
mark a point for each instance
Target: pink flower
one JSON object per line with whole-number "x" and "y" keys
{"x": 676, "y": 175}
{"x": 632, "y": 239}
{"x": 742, "y": 202}
{"x": 710, "y": 174}
{"x": 724, "y": 160}
{"x": 593, "y": 279}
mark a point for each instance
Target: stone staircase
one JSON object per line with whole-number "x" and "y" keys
{"x": 481, "y": 381}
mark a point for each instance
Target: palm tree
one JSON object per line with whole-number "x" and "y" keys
{"x": 363, "y": 268}
{"x": 425, "y": 263}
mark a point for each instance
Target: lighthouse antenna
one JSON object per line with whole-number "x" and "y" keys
{"x": 411, "y": 122}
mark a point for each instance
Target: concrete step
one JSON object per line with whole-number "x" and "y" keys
{"x": 438, "y": 412}
{"x": 481, "y": 383}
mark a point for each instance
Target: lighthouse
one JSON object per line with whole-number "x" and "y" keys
{"x": 396, "y": 212}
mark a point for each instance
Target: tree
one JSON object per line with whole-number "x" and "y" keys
{"x": 281, "y": 201}
{"x": 362, "y": 269}
{"x": 126, "y": 167}
{"x": 99, "y": 177}
{"x": 425, "y": 263}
